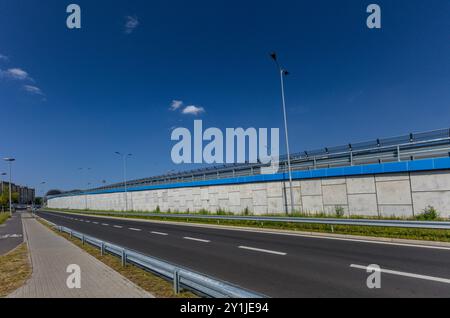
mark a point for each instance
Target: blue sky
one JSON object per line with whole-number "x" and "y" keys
{"x": 108, "y": 87}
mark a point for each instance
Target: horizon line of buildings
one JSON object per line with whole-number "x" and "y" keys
{"x": 26, "y": 194}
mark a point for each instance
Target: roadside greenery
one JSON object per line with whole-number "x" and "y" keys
{"x": 371, "y": 231}
{"x": 15, "y": 270}
{"x": 428, "y": 214}
{"x": 4, "y": 198}
{"x": 3, "y": 217}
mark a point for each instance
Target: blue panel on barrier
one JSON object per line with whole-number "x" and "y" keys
{"x": 390, "y": 167}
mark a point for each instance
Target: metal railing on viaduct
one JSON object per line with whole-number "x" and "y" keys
{"x": 414, "y": 146}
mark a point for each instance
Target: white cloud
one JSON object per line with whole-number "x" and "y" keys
{"x": 4, "y": 58}
{"x": 131, "y": 24}
{"x": 193, "y": 110}
{"x": 176, "y": 104}
{"x": 33, "y": 90}
{"x": 17, "y": 74}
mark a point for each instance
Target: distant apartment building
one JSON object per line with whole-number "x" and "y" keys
{"x": 26, "y": 195}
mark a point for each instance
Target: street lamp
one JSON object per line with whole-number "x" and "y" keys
{"x": 283, "y": 73}
{"x": 124, "y": 159}
{"x": 10, "y": 161}
{"x": 88, "y": 184}
{"x": 3, "y": 174}
{"x": 36, "y": 190}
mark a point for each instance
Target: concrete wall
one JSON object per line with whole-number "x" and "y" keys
{"x": 400, "y": 194}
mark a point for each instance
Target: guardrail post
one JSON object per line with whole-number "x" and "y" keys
{"x": 70, "y": 233}
{"x": 124, "y": 258}
{"x": 102, "y": 249}
{"x": 60, "y": 229}
{"x": 82, "y": 239}
{"x": 176, "y": 281}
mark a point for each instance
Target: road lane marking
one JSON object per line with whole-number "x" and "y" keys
{"x": 87, "y": 221}
{"x": 105, "y": 224}
{"x": 118, "y": 226}
{"x": 262, "y": 250}
{"x": 95, "y": 222}
{"x": 411, "y": 275}
{"x": 311, "y": 236}
{"x": 159, "y": 233}
{"x": 133, "y": 229}
{"x": 196, "y": 239}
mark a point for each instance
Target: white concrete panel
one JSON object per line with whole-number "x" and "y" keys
{"x": 396, "y": 210}
{"x": 333, "y": 181}
{"x": 335, "y": 194}
{"x": 440, "y": 200}
{"x": 360, "y": 185}
{"x": 260, "y": 198}
{"x": 392, "y": 177}
{"x": 312, "y": 204}
{"x": 311, "y": 187}
{"x": 430, "y": 181}
{"x": 363, "y": 204}
{"x": 394, "y": 192}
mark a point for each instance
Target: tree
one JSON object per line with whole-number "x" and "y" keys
{"x": 38, "y": 201}
{"x": 4, "y": 197}
{"x": 15, "y": 197}
{"x": 53, "y": 192}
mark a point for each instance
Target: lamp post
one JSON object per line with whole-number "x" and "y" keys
{"x": 283, "y": 72}
{"x": 3, "y": 174}
{"x": 124, "y": 160}
{"x": 88, "y": 185}
{"x": 35, "y": 190}
{"x": 10, "y": 161}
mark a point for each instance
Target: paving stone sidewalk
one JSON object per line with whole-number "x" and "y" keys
{"x": 50, "y": 257}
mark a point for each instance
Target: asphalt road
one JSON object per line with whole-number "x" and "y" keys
{"x": 11, "y": 234}
{"x": 278, "y": 265}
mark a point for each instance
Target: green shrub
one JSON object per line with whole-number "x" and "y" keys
{"x": 428, "y": 214}
{"x": 158, "y": 210}
{"x": 340, "y": 212}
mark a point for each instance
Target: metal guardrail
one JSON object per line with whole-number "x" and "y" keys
{"x": 437, "y": 225}
{"x": 181, "y": 277}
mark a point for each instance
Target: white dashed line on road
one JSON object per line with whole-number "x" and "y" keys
{"x": 95, "y": 222}
{"x": 196, "y": 239}
{"x": 118, "y": 226}
{"x": 387, "y": 271}
{"x": 262, "y": 250}
{"x": 105, "y": 224}
{"x": 133, "y": 229}
{"x": 159, "y": 233}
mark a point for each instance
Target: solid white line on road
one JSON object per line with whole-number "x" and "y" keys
{"x": 387, "y": 271}
{"x": 133, "y": 229}
{"x": 118, "y": 226}
{"x": 262, "y": 250}
{"x": 196, "y": 239}
{"x": 159, "y": 233}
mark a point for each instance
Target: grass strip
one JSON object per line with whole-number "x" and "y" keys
{"x": 3, "y": 217}
{"x": 150, "y": 282}
{"x": 15, "y": 270}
